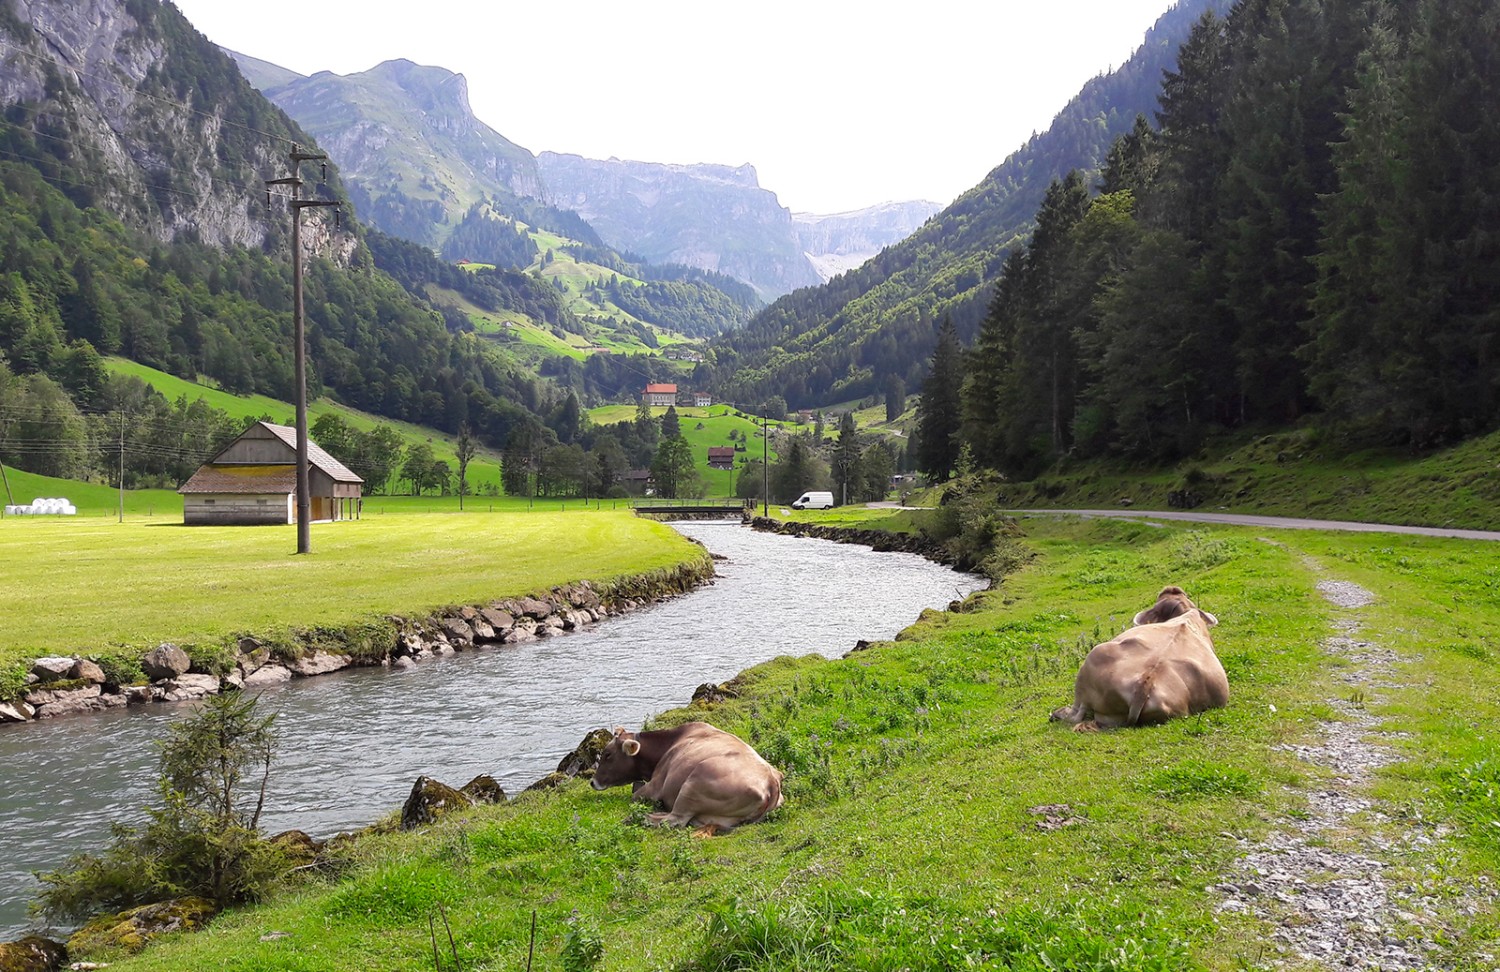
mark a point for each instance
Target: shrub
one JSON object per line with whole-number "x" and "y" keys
{"x": 204, "y": 838}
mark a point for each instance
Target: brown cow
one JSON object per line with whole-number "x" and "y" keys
{"x": 704, "y": 776}
{"x": 1161, "y": 668}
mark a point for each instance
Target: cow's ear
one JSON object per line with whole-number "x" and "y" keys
{"x": 1208, "y": 618}
{"x": 619, "y": 732}
{"x": 1139, "y": 615}
{"x": 631, "y": 746}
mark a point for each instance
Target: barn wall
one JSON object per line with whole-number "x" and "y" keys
{"x": 257, "y": 449}
{"x": 236, "y": 510}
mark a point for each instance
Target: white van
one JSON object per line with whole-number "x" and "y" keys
{"x": 814, "y": 500}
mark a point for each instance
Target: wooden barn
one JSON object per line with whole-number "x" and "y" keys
{"x": 253, "y": 480}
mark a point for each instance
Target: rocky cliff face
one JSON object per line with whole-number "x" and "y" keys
{"x": 128, "y": 108}
{"x": 713, "y": 217}
{"x": 413, "y": 153}
{"x": 843, "y": 241}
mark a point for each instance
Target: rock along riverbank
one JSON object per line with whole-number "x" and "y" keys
{"x": 72, "y": 684}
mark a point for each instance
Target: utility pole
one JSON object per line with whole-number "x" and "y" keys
{"x": 765, "y": 461}
{"x": 122, "y": 465}
{"x": 304, "y": 497}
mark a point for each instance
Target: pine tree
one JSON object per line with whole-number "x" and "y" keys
{"x": 846, "y": 467}
{"x": 940, "y": 412}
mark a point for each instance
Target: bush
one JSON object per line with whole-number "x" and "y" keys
{"x": 204, "y": 838}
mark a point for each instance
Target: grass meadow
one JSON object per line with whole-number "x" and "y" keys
{"x": 74, "y": 585}
{"x": 936, "y": 820}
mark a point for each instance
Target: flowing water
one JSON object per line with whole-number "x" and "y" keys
{"x": 352, "y": 743}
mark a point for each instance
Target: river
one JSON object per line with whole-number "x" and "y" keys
{"x": 351, "y": 743}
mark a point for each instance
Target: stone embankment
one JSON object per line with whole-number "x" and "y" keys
{"x": 65, "y": 685}
{"x": 878, "y": 539}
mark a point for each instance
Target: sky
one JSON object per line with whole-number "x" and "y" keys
{"x": 838, "y": 105}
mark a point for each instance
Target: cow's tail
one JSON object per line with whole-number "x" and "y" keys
{"x": 1138, "y": 702}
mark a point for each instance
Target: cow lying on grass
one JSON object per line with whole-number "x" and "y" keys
{"x": 1161, "y": 668}
{"x": 705, "y": 777}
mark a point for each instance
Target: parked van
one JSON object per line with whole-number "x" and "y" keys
{"x": 814, "y": 500}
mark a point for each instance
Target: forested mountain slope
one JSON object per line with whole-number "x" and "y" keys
{"x": 1306, "y": 239}
{"x": 134, "y": 220}
{"x": 851, "y": 336}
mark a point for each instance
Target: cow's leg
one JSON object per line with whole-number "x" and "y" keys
{"x": 669, "y": 819}
{"x": 1072, "y": 714}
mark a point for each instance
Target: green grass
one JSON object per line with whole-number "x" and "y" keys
{"x": 94, "y": 499}
{"x": 74, "y": 584}
{"x": 483, "y": 469}
{"x": 910, "y": 837}
{"x": 717, "y": 421}
{"x": 1297, "y": 474}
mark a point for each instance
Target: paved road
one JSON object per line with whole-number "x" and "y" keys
{"x": 1271, "y": 522}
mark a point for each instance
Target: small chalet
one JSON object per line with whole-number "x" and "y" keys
{"x": 660, "y": 395}
{"x": 721, "y": 457}
{"x": 253, "y": 480}
{"x": 695, "y": 399}
{"x": 638, "y": 482}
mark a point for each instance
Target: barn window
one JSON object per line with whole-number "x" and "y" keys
{"x": 262, "y": 502}
{"x": 208, "y": 502}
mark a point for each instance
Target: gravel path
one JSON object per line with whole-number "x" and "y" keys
{"x": 1320, "y": 881}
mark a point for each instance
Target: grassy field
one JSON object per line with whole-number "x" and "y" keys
{"x": 483, "y": 469}
{"x": 919, "y": 778}
{"x": 76, "y": 584}
{"x": 1296, "y": 474}
{"x": 717, "y": 421}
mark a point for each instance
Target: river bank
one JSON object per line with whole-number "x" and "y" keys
{"x": 72, "y": 684}
{"x": 353, "y": 742}
{"x": 934, "y": 814}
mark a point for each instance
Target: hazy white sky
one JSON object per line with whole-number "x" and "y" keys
{"x": 838, "y": 105}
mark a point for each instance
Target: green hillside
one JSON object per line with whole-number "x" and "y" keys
{"x": 845, "y": 339}
{"x": 484, "y": 469}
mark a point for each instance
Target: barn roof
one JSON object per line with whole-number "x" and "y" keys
{"x": 262, "y": 479}
{"x": 339, "y": 472}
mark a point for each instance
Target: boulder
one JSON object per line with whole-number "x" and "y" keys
{"x": 73, "y": 700}
{"x": 709, "y": 694}
{"x": 534, "y": 608}
{"x": 403, "y": 662}
{"x": 32, "y": 954}
{"x": 268, "y": 675}
{"x": 252, "y": 661}
{"x": 86, "y": 671}
{"x": 498, "y": 619}
{"x": 483, "y": 630}
{"x": 585, "y": 756}
{"x": 141, "y": 694}
{"x": 457, "y": 630}
{"x": 248, "y": 645}
{"x": 299, "y": 848}
{"x": 319, "y": 663}
{"x": 483, "y": 789}
{"x": 468, "y": 613}
{"x": 165, "y": 661}
{"x": 524, "y": 630}
{"x": 184, "y": 688}
{"x": 133, "y": 929}
{"x": 429, "y": 801}
{"x": 16, "y": 711}
{"x": 53, "y": 668}
{"x": 551, "y": 781}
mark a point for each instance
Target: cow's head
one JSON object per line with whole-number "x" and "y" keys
{"x": 617, "y": 763}
{"x": 1170, "y": 603}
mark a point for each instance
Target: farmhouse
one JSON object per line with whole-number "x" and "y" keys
{"x": 695, "y": 399}
{"x": 253, "y": 480}
{"x": 660, "y": 395}
{"x": 721, "y": 457}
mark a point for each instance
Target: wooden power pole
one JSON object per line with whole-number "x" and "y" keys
{"x": 299, "y": 337}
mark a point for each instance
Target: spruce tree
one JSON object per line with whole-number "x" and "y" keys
{"x": 940, "y": 411}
